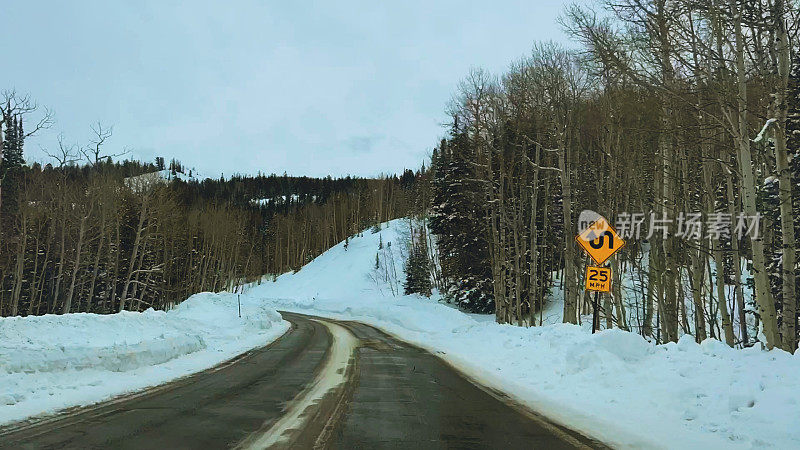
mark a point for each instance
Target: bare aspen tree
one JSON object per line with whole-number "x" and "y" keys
{"x": 766, "y": 305}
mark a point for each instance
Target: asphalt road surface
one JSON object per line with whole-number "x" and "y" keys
{"x": 324, "y": 384}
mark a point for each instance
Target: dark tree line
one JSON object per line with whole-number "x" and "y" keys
{"x": 86, "y": 234}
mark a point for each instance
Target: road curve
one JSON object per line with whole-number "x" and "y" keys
{"x": 324, "y": 384}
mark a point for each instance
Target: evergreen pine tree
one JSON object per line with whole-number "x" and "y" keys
{"x": 456, "y": 220}
{"x": 770, "y": 204}
{"x": 11, "y": 170}
{"x": 418, "y": 279}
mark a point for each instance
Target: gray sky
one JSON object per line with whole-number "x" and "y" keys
{"x": 310, "y": 88}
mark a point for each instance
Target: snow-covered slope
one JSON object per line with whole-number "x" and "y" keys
{"x": 147, "y": 180}
{"x": 613, "y": 385}
{"x": 57, "y": 361}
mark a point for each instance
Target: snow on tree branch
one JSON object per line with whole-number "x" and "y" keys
{"x": 764, "y": 129}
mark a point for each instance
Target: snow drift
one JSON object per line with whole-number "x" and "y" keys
{"x": 56, "y": 361}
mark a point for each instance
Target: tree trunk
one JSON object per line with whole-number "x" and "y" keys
{"x": 533, "y": 291}
{"x": 136, "y": 244}
{"x": 696, "y": 278}
{"x": 570, "y": 285}
{"x": 95, "y": 269}
{"x": 764, "y": 301}
{"x": 20, "y": 266}
{"x": 76, "y": 267}
{"x": 737, "y": 264}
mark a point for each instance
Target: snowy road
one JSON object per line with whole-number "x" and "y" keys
{"x": 325, "y": 384}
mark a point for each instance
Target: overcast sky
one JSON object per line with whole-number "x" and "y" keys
{"x": 310, "y": 88}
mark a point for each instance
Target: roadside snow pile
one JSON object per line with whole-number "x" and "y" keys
{"x": 57, "y": 361}
{"x": 613, "y": 385}
{"x": 111, "y": 345}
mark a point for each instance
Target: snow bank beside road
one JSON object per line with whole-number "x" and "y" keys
{"x": 57, "y": 361}
{"x": 117, "y": 343}
{"x": 613, "y": 385}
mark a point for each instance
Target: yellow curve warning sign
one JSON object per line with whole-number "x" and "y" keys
{"x": 600, "y": 240}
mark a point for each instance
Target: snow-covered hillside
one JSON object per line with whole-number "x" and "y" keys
{"x": 279, "y": 199}
{"x": 613, "y": 385}
{"x": 57, "y": 361}
{"x": 144, "y": 181}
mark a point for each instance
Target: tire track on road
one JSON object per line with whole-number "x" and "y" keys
{"x": 321, "y": 403}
